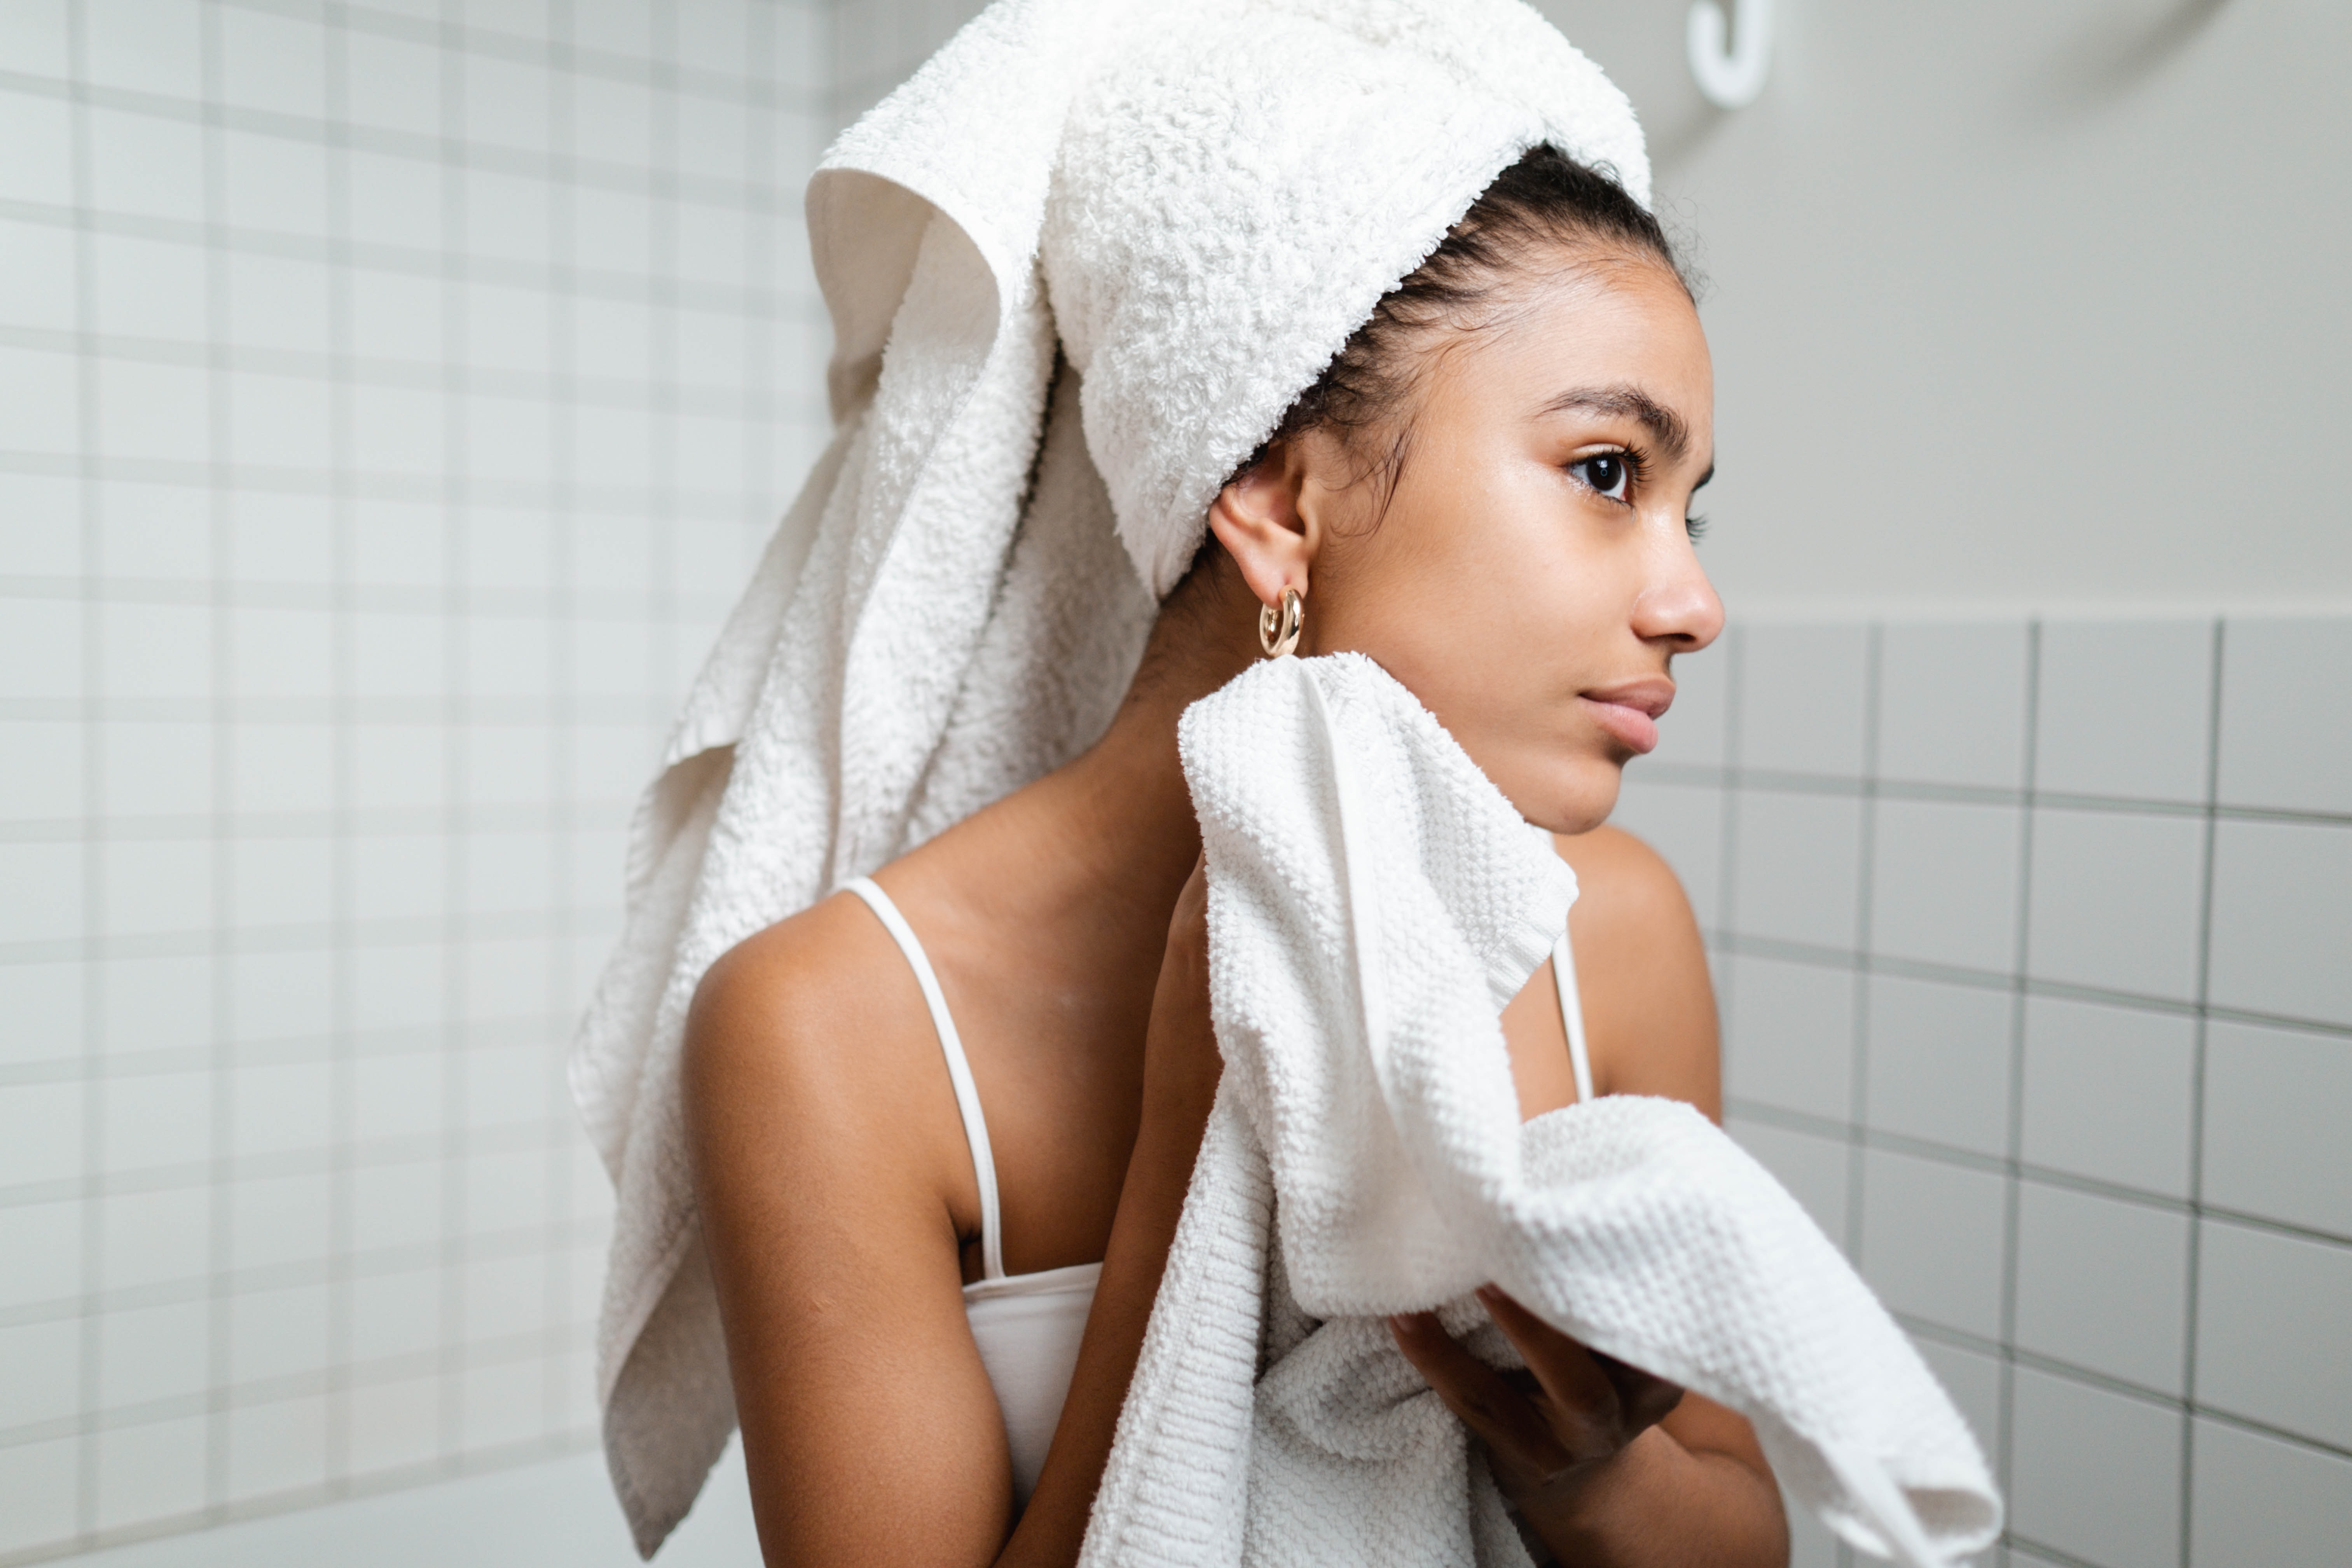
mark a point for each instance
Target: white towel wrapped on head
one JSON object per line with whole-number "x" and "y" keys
{"x": 1373, "y": 903}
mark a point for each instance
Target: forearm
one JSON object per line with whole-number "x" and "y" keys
{"x": 1657, "y": 1504}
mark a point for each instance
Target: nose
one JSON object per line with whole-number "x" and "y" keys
{"x": 1678, "y": 607}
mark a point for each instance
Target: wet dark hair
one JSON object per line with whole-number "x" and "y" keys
{"x": 1547, "y": 202}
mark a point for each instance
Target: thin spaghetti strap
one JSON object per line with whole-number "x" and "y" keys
{"x": 975, "y": 1125}
{"x": 1571, "y": 1013}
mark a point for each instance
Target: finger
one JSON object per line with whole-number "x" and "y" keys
{"x": 1645, "y": 1397}
{"x": 1564, "y": 1368}
{"x": 1513, "y": 1429}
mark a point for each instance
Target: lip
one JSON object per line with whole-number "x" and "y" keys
{"x": 1630, "y": 709}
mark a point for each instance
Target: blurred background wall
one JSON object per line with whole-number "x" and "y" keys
{"x": 390, "y": 397}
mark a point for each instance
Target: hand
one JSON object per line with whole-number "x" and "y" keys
{"x": 1551, "y": 1429}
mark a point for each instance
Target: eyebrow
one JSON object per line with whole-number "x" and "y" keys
{"x": 1665, "y": 427}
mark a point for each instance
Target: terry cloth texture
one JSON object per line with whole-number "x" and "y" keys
{"x": 1373, "y": 902}
{"x": 1078, "y": 267}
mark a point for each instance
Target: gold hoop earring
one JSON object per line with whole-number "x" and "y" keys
{"x": 1277, "y": 630}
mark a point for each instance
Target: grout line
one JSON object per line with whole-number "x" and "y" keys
{"x": 2012, "y": 1186}
{"x": 2193, "y": 1284}
{"x": 1865, "y": 922}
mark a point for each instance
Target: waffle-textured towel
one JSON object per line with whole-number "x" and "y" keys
{"x": 1373, "y": 902}
{"x": 1078, "y": 267}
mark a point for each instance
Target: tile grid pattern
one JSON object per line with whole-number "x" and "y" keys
{"x": 2023, "y": 937}
{"x": 391, "y": 398}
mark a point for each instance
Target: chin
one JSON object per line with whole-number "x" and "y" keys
{"x": 1578, "y": 797}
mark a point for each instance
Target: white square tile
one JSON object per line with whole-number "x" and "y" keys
{"x": 44, "y": 883}
{"x": 2115, "y": 901}
{"x": 714, "y": 37}
{"x": 279, "y": 1220}
{"x": 509, "y": 764}
{"x": 1801, "y": 697}
{"x": 2287, "y": 687}
{"x": 609, "y": 762}
{"x": 40, "y": 769}
{"x": 803, "y": 46}
{"x": 278, "y": 1333}
{"x": 506, "y": 217}
{"x": 155, "y": 1238}
{"x": 278, "y": 302}
{"x": 2283, "y": 919}
{"x": 506, "y": 103}
{"x": 394, "y": 84}
{"x": 398, "y": 877}
{"x": 40, "y": 400}
{"x": 511, "y": 438}
{"x": 1812, "y": 1169}
{"x": 1931, "y": 1240}
{"x": 613, "y": 339}
{"x": 711, "y": 353}
{"x": 39, "y": 133}
{"x": 43, "y": 1244}
{"x": 714, "y": 138}
{"x": 398, "y": 988}
{"x": 39, "y": 1489}
{"x": 276, "y": 184}
{"x": 150, "y": 288}
{"x": 156, "y": 767}
{"x": 397, "y": 1315}
{"x": 2097, "y": 1475}
{"x": 40, "y": 519}
{"x": 282, "y": 538}
{"x": 146, "y": 166}
{"x": 398, "y": 431}
{"x": 148, "y": 1353}
{"x": 1974, "y": 1382}
{"x": 395, "y": 200}
{"x": 155, "y": 650}
{"x": 516, "y": 18}
{"x": 1693, "y": 731}
{"x": 44, "y": 1362}
{"x": 504, "y": 1402}
{"x": 151, "y": 887}
{"x": 395, "y": 315}
{"x": 398, "y": 1095}
{"x": 282, "y": 653}
{"x": 160, "y": 412}
{"x": 2274, "y": 1142}
{"x": 396, "y": 1206}
{"x": 397, "y": 655}
{"x": 2107, "y": 1093}
{"x": 1944, "y": 883}
{"x": 42, "y": 1004}
{"x": 2271, "y": 1311}
{"x": 37, "y": 42}
{"x": 281, "y": 422}
{"x": 2258, "y": 1499}
{"x": 1683, "y": 823}
{"x": 1795, "y": 861}
{"x": 278, "y": 1450}
{"x": 712, "y": 243}
{"x": 39, "y": 286}
{"x": 1788, "y": 1036}
{"x": 613, "y": 448}
{"x": 151, "y": 1472}
{"x": 2103, "y": 1285}
{"x": 508, "y": 655}
{"x": 278, "y": 882}
{"x": 281, "y": 767}
{"x": 396, "y": 1425}
{"x": 156, "y": 1004}
{"x": 144, "y": 49}
{"x": 507, "y": 979}
{"x": 611, "y": 123}
{"x": 155, "y": 533}
{"x": 622, "y": 27}
{"x": 506, "y": 1193}
{"x": 514, "y": 1084}
{"x": 282, "y": 995}
{"x": 1951, "y": 703}
{"x": 156, "y": 1119}
{"x": 273, "y": 63}
{"x": 506, "y": 1298}
{"x": 282, "y": 1107}
{"x": 395, "y": 544}
{"x": 399, "y": 766}
{"x": 508, "y": 329}
{"x": 2125, "y": 709}
{"x": 1940, "y": 1062}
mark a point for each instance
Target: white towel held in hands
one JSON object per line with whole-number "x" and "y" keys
{"x": 1373, "y": 902}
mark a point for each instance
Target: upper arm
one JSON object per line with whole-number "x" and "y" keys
{"x": 1642, "y": 975}
{"x": 870, "y": 1429}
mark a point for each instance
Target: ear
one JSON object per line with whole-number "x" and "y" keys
{"x": 1258, "y": 520}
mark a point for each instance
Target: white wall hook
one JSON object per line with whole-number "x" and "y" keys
{"x": 1731, "y": 77}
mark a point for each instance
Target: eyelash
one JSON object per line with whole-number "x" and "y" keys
{"x": 1695, "y": 525}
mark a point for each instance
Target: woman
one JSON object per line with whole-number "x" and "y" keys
{"x": 1487, "y": 494}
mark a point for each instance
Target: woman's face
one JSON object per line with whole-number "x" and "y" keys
{"x": 1530, "y": 577}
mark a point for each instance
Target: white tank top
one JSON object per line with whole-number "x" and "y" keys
{"x": 1028, "y": 1325}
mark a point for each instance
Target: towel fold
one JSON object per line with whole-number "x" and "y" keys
{"x": 1373, "y": 902}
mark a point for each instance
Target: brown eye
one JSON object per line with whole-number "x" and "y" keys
{"x": 1606, "y": 472}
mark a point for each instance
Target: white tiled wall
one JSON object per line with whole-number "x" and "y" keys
{"x": 2034, "y": 946}
{"x": 390, "y": 397}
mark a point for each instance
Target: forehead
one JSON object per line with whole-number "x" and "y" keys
{"x": 1590, "y": 321}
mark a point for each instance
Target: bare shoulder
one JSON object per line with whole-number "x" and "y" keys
{"x": 1640, "y": 965}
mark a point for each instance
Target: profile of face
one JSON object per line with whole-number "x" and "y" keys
{"x": 1526, "y": 570}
